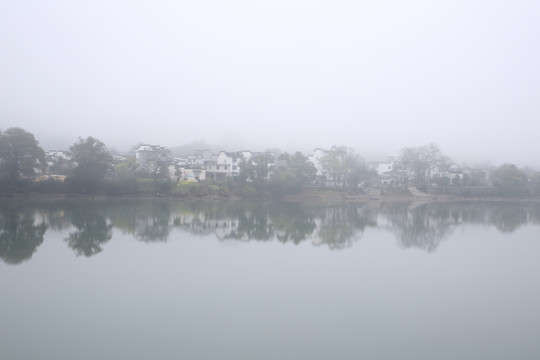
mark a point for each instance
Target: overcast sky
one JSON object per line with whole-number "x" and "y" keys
{"x": 374, "y": 75}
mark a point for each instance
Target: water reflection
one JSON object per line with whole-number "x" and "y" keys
{"x": 339, "y": 227}
{"x": 147, "y": 221}
{"x": 92, "y": 230}
{"x": 292, "y": 223}
{"x": 90, "y": 224}
{"x": 21, "y": 232}
{"x": 422, "y": 226}
{"x": 508, "y": 219}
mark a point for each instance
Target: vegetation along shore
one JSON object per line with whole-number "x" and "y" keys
{"x": 89, "y": 169}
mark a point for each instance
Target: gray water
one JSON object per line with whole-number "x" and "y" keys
{"x": 235, "y": 281}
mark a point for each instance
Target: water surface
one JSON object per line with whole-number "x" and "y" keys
{"x": 175, "y": 280}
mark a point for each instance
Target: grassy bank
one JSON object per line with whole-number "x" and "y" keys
{"x": 147, "y": 188}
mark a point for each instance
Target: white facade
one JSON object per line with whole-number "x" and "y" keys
{"x": 56, "y": 154}
{"x": 383, "y": 167}
{"x": 315, "y": 158}
{"x": 227, "y": 164}
{"x": 192, "y": 175}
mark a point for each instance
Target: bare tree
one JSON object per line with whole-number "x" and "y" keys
{"x": 420, "y": 163}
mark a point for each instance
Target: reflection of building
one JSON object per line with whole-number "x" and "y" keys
{"x": 228, "y": 229}
{"x": 200, "y": 223}
{"x": 340, "y": 227}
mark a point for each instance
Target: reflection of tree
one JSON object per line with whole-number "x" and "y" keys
{"x": 534, "y": 213}
{"x": 340, "y": 226}
{"x": 154, "y": 225}
{"x": 292, "y": 223}
{"x": 254, "y": 224}
{"x": 92, "y": 231}
{"x": 147, "y": 221}
{"x": 19, "y": 235}
{"x": 423, "y": 226}
{"x": 284, "y": 221}
{"x": 195, "y": 222}
{"x": 508, "y": 217}
{"x": 199, "y": 219}
{"x": 55, "y": 217}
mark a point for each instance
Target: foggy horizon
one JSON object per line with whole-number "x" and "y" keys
{"x": 295, "y": 75}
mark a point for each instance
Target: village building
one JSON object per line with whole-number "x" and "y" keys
{"x": 226, "y": 165}
{"x": 59, "y": 162}
{"x": 387, "y": 171}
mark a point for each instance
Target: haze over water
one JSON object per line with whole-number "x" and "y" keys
{"x": 376, "y": 76}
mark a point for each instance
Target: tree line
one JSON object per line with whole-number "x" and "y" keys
{"x": 22, "y": 159}
{"x": 419, "y": 164}
{"x": 94, "y": 171}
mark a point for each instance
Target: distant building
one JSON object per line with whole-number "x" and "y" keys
{"x": 226, "y": 164}
{"x": 386, "y": 170}
{"x": 315, "y": 158}
{"x": 59, "y": 162}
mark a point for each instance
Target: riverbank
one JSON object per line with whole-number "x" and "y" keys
{"x": 306, "y": 195}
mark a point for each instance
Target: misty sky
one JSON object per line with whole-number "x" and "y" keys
{"x": 374, "y": 75}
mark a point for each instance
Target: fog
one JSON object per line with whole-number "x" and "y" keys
{"x": 374, "y": 75}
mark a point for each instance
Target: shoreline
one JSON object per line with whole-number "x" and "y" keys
{"x": 310, "y": 196}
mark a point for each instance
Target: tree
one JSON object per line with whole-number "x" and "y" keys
{"x": 93, "y": 162}
{"x": 344, "y": 166}
{"x": 291, "y": 173}
{"x": 161, "y": 167}
{"x": 256, "y": 168}
{"x": 535, "y": 180}
{"x": 509, "y": 180}
{"x": 154, "y": 161}
{"x": 419, "y": 163}
{"x": 357, "y": 171}
{"x": 126, "y": 170}
{"x": 20, "y": 155}
{"x": 333, "y": 165}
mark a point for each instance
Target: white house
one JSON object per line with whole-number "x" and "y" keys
{"x": 192, "y": 174}
{"x": 383, "y": 167}
{"x": 315, "y": 158}
{"x": 59, "y": 162}
{"x": 226, "y": 164}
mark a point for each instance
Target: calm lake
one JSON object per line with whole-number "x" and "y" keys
{"x": 149, "y": 279}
